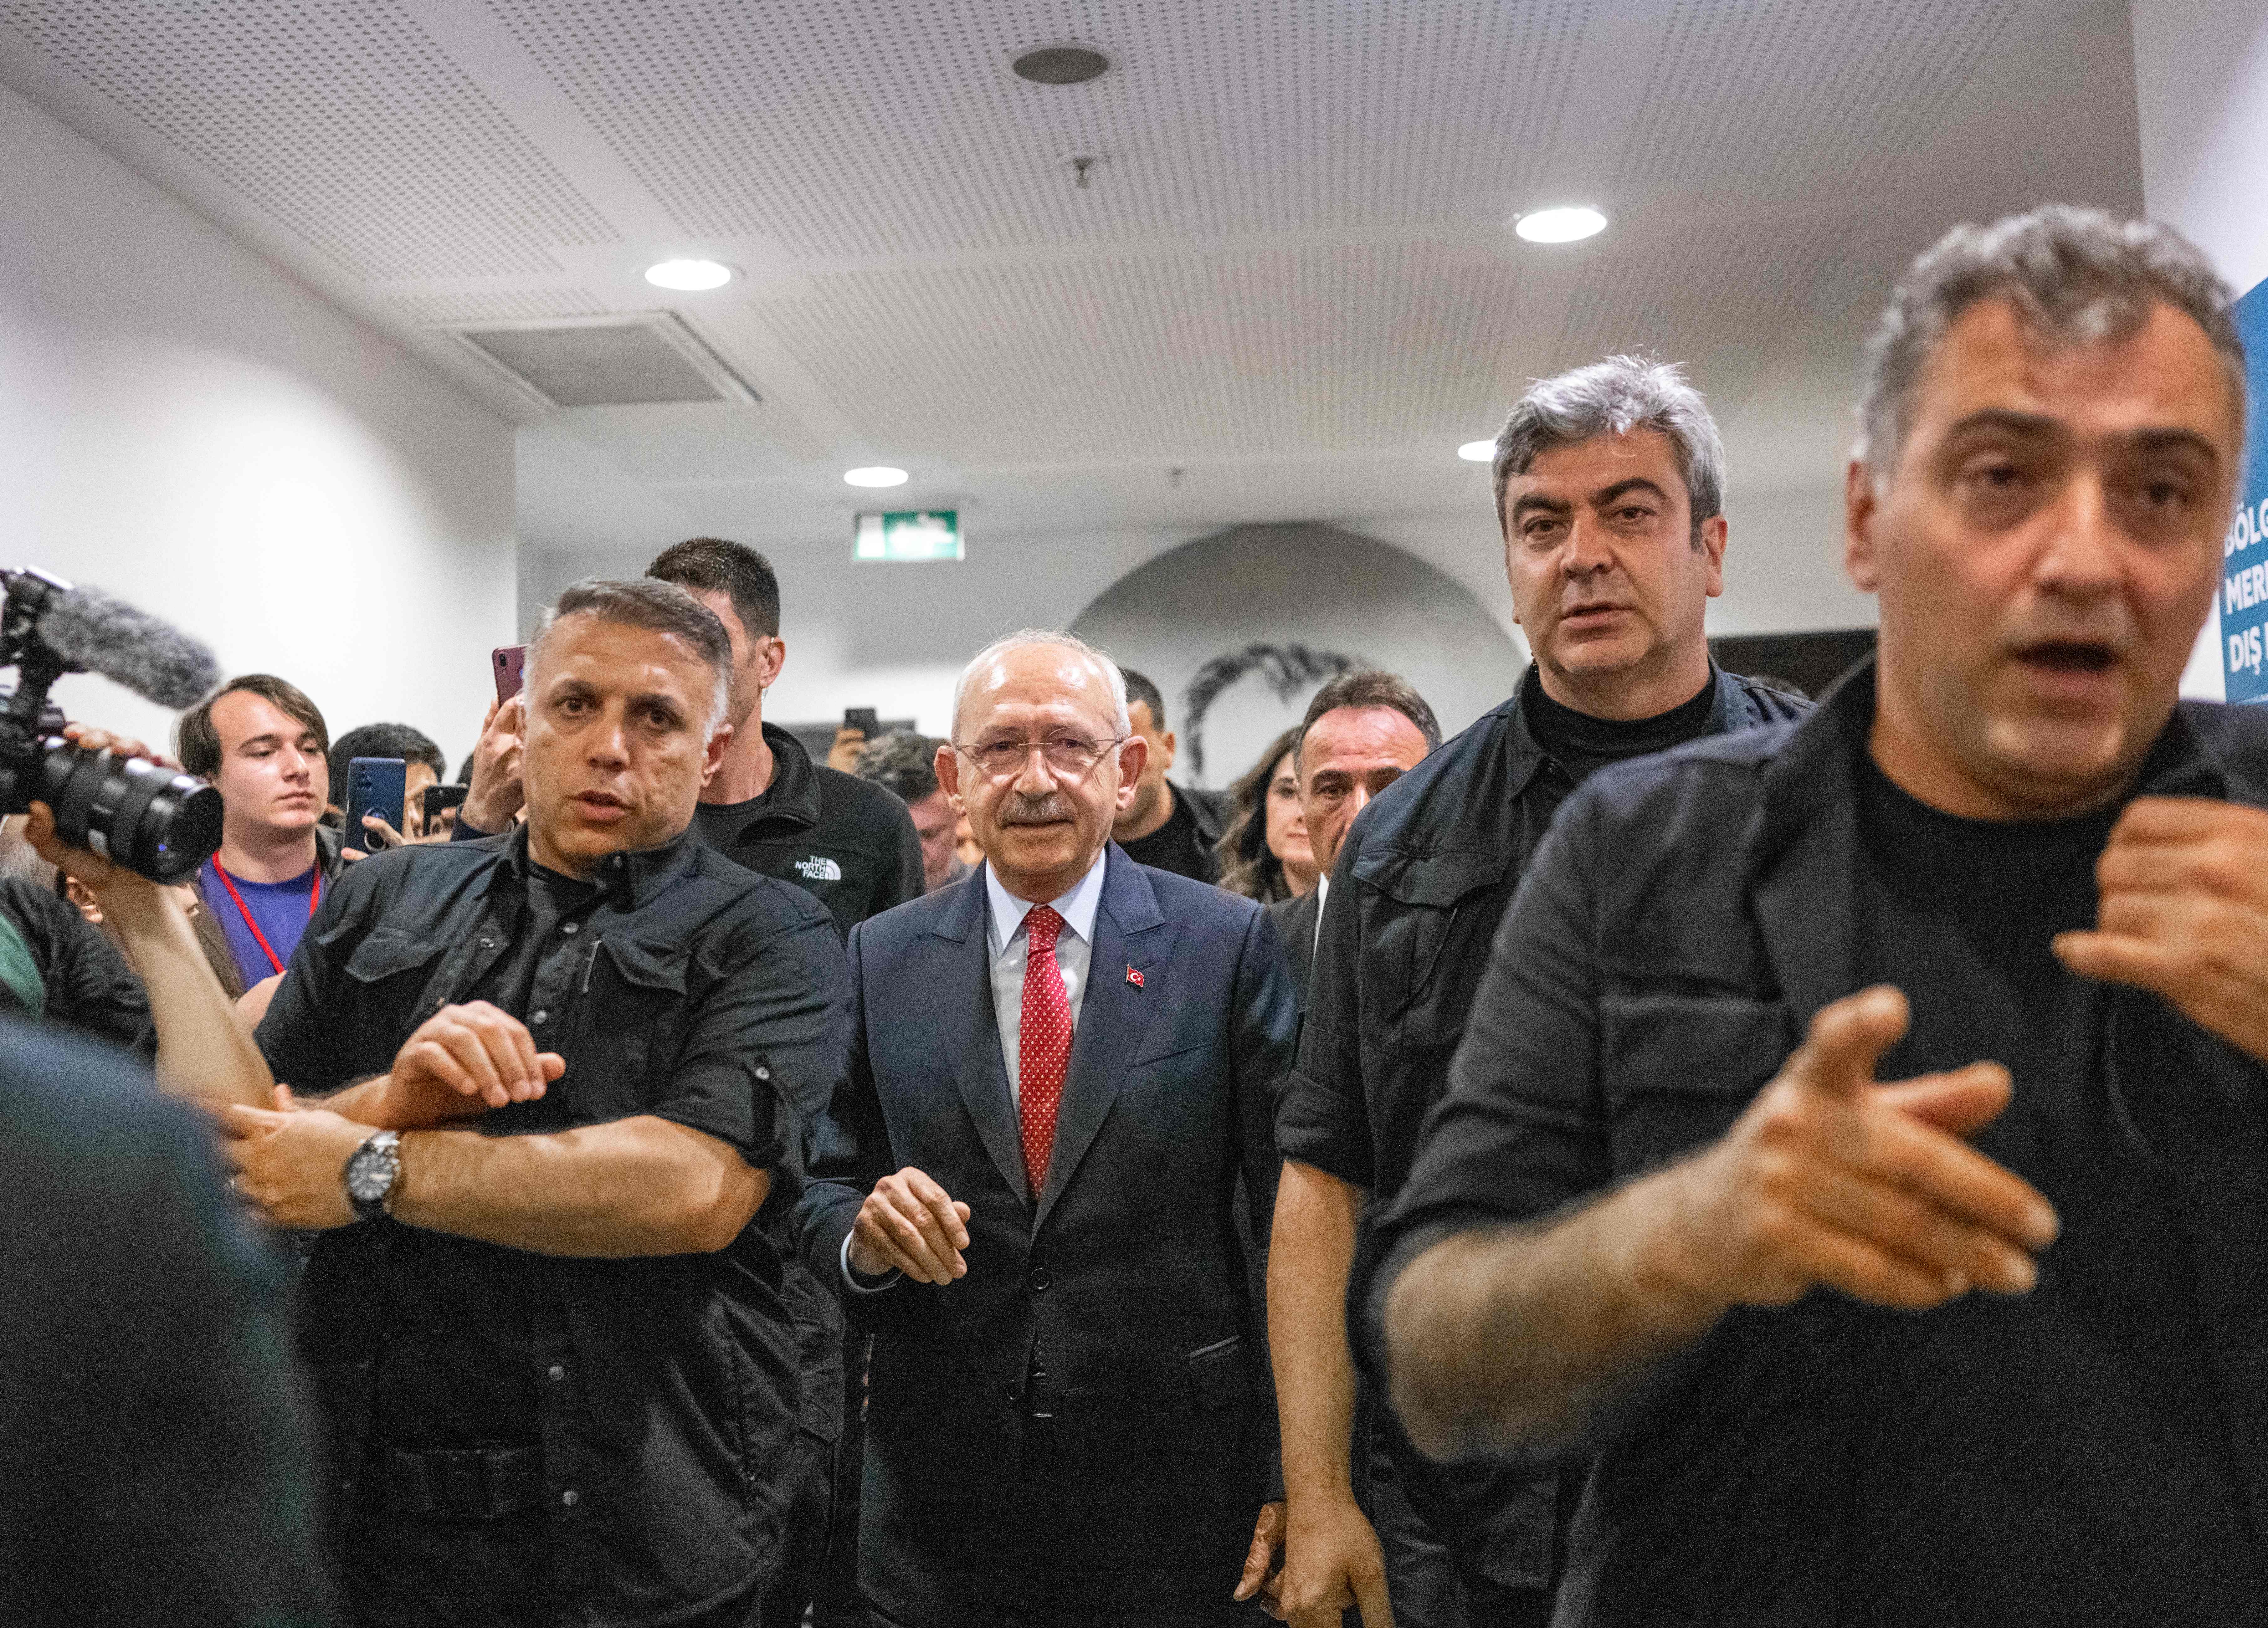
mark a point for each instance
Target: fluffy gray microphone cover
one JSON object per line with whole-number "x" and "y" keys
{"x": 89, "y": 630}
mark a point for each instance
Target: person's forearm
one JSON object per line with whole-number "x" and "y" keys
{"x": 366, "y": 1101}
{"x": 202, "y": 1050}
{"x": 1523, "y": 1340}
{"x": 1312, "y": 1252}
{"x": 633, "y": 1187}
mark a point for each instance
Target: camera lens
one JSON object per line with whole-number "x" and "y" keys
{"x": 155, "y": 822}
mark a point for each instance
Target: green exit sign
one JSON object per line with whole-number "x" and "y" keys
{"x": 912, "y": 535}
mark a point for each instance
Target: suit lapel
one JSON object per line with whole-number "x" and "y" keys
{"x": 971, "y": 1032}
{"x": 1129, "y": 933}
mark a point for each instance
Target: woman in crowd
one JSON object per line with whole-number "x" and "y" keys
{"x": 1263, "y": 847}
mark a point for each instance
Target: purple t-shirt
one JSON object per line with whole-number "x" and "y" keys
{"x": 280, "y": 908}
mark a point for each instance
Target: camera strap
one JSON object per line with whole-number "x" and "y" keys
{"x": 258, "y": 937}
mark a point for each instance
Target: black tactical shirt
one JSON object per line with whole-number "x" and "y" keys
{"x": 663, "y": 1391}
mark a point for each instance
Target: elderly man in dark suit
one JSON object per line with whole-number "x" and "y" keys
{"x": 1059, "y": 1069}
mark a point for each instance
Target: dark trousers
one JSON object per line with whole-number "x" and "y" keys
{"x": 400, "y": 1571}
{"x": 1429, "y": 1584}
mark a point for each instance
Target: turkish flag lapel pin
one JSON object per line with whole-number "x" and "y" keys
{"x": 1133, "y": 978}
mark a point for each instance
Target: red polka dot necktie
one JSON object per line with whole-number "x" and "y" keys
{"x": 1042, "y": 1043}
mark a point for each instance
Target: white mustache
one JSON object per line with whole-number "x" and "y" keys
{"x": 1020, "y": 810}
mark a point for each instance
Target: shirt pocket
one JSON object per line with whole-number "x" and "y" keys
{"x": 1678, "y": 1070}
{"x": 630, "y": 1025}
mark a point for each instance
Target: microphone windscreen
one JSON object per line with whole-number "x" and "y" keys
{"x": 89, "y": 630}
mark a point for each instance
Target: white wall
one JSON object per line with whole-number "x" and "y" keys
{"x": 2201, "y": 79}
{"x": 188, "y": 427}
{"x": 894, "y": 637}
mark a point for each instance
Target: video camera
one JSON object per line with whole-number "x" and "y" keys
{"x": 146, "y": 817}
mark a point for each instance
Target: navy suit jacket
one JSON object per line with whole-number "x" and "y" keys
{"x": 1128, "y": 1272}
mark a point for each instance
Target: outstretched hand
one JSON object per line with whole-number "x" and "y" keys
{"x": 1831, "y": 1179}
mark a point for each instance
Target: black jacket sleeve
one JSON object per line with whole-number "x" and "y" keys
{"x": 1522, "y": 1131}
{"x": 90, "y": 986}
{"x": 850, "y": 1153}
{"x": 909, "y": 881}
{"x": 1324, "y": 1118}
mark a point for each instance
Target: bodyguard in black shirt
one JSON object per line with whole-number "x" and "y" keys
{"x": 1169, "y": 828}
{"x": 1609, "y": 482}
{"x": 1860, "y": 1143}
{"x": 559, "y": 1381}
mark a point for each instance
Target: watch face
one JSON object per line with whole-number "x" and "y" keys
{"x": 370, "y": 1172}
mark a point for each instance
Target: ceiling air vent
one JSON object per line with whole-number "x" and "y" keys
{"x": 612, "y": 361}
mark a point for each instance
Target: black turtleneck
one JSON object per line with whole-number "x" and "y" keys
{"x": 1581, "y": 744}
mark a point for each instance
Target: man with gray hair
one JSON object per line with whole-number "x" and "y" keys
{"x": 1858, "y": 1155}
{"x": 1609, "y": 482}
{"x": 566, "y": 1067}
{"x": 1061, "y": 1083}
{"x": 905, "y": 763}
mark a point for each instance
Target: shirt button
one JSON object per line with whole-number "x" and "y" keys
{"x": 762, "y": 1073}
{"x": 1039, "y": 1279}
{"x": 558, "y": 1370}
{"x": 440, "y": 1003}
{"x": 569, "y": 1498}
{"x": 568, "y": 929}
{"x": 541, "y": 1017}
{"x": 488, "y": 944}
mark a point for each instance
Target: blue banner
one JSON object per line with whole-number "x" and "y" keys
{"x": 2244, "y": 552}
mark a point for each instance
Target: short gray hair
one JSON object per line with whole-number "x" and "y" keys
{"x": 658, "y": 607}
{"x": 1000, "y": 647}
{"x": 1614, "y": 397}
{"x": 2077, "y": 277}
{"x": 903, "y": 763}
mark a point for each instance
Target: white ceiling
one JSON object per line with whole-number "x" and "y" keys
{"x": 1287, "y": 292}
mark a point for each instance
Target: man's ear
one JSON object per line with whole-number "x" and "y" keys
{"x": 713, "y": 759}
{"x": 1714, "y": 535}
{"x": 771, "y": 656}
{"x": 1133, "y": 753}
{"x": 1861, "y": 507}
{"x": 948, "y": 776}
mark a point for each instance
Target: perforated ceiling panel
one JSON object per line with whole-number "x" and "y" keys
{"x": 595, "y": 364}
{"x": 341, "y": 119}
{"x": 895, "y": 127}
{"x": 1720, "y": 299}
{"x": 1224, "y": 356}
{"x": 1771, "y": 99}
{"x": 441, "y": 310}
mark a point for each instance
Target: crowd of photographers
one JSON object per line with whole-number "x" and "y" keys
{"x": 1667, "y": 1152}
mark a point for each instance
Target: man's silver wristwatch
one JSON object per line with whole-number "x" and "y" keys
{"x": 372, "y": 1171}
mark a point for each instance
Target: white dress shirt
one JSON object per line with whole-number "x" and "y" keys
{"x": 1010, "y": 943}
{"x": 1322, "y": 897}
{"x": 1007, "y": 935}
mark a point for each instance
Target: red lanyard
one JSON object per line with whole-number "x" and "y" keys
{"x": 258, "y": 937}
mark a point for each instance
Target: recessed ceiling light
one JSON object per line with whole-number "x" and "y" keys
{"x": 1478, "y": 451}
{"x": 688, "y": 277}
{"x": 874, "y": 474}
{"x": 1563, "y": 225}
{"x": 1062, "y": 64}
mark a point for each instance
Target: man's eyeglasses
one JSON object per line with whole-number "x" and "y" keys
{"x": 1068, "y": 756}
